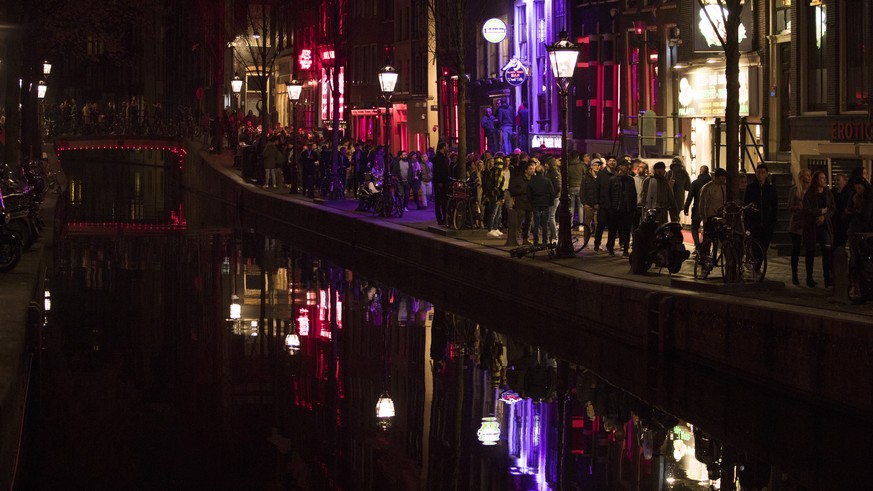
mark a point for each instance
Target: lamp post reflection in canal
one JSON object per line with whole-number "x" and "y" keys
{"x": 309, "y": 419}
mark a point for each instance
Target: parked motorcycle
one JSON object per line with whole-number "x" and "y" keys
{"x": 657, "y": 244}
{"x": 10, "y": 245}
{"x": 368, "y": 192}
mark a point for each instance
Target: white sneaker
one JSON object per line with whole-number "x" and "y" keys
{"x": 493, "y": 233}
{"x": 499, "y": 233}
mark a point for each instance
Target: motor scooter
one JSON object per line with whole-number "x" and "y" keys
{"x": 657, "y": 244}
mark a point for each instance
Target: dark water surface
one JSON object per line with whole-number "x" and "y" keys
{"x": 145, "y": 382}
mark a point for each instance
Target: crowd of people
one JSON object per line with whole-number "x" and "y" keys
{"x": 517, "y": 193}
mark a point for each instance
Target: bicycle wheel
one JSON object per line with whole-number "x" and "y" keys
{"x": 754, "y": 265}
{"x": 459, "y": 215}
{"x": 450, "y": 212}
{"x": 730, "y": 262}
{"x": 379, "y": 206}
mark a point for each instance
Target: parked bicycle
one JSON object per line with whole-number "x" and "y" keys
{"x": 387, "y": 202}
{"x": 731, "y": 248}
{"x": 461, "y": 210}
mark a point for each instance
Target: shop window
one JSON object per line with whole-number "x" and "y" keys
{"x": 857, "y": 62}
{"x": 816, "y": 49}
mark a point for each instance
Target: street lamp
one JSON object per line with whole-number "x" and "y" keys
{"x": 384, "y": 411}
{"x": 46, "y": 68}
{"x": 387, "y": 80}
{"x": 294, "y": 88}
{"x": 236, "y": 85}
{"x": 40, "y": 90}
{"x": 562, "y": 56}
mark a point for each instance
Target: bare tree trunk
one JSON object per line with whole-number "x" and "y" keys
{"x": 461, "y": 54}
{"x": 732, "y": 108}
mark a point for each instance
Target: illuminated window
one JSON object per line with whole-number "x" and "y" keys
{"x": 781, "y": 16}
{"x": 816, "y": 48}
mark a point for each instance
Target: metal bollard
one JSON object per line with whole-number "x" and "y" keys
{"x": 840, "y": 271}
{"x": 512, "y": 233}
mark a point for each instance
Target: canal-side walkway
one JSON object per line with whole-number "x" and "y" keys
{"x": 776, "y": 288}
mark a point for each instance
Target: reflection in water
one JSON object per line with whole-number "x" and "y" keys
{"x": 226, "y": 359}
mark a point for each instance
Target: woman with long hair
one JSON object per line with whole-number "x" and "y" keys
{"x": 795, "y": 222}
{"x": 818, "y": 210}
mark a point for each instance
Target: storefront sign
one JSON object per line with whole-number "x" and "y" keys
{"x": 305, "y": 59}
{"x": 851, "y": 132}
{"x": 514, "y": 73}
{"x": 703, "y": 92}
{"x": 705, "y": 38}
{"x": 550, "y": 141}
{"x": 510, "y": 397}
{"x": 494, "y": 30}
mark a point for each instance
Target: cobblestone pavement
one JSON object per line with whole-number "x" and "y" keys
{"x": 777, "y": 287}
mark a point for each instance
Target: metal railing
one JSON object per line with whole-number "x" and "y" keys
{"x": 649, "y": 143}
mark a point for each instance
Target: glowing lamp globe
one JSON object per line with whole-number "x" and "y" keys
{"x": 236, "y": 84}
{"x": 292, "y": 343}
{"x": 388, "y": 79}
{"x": 235, "y": 309}
{"x": 562, "y": 56}
{"x": 384, "y": 411}
{"x": 294, "y": 88}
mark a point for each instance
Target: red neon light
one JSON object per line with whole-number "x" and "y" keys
{"x": 305, "y": 59}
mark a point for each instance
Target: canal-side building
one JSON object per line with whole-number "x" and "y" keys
{"x": 828, "y": 76}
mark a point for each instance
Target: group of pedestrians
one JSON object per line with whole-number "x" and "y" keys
{"x": 518, "y": 194}
{"x": 827, "y": 217}
{"x": 505, "y": 129}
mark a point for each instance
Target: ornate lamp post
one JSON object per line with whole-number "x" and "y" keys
{"x": 387, "y": 80}
{"x": 46, "y": 68}
{"x": 294, "y": 88}
{"x": 236, "y": 85}
{"x": 562, "y": 56}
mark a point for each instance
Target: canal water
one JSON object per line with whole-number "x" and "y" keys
{"x": 187, "y": 349}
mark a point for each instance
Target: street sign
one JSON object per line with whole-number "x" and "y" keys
{"x": 494, "y": 30}
{"x": 514, "y": 73}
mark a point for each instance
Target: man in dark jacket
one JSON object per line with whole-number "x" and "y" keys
{"x": 488, "y": 127}
{"x": 440, "y": 182}
{"x": 518, "y": 191}
{"x": 622, "y": 203}
{"x": 523, "y": 128}
{"x": 575, "y": 169}
{"x": 681, "y": 182}
{"x": 703, "y": 177}
{"x": 308, "y": 157}
{"x": 541, "y": 195}
{"x": 590, "y": 197}
{"x": 506, "y": 120}
{"x": 763, "y": 193}
{"x": 603, "y": 178}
